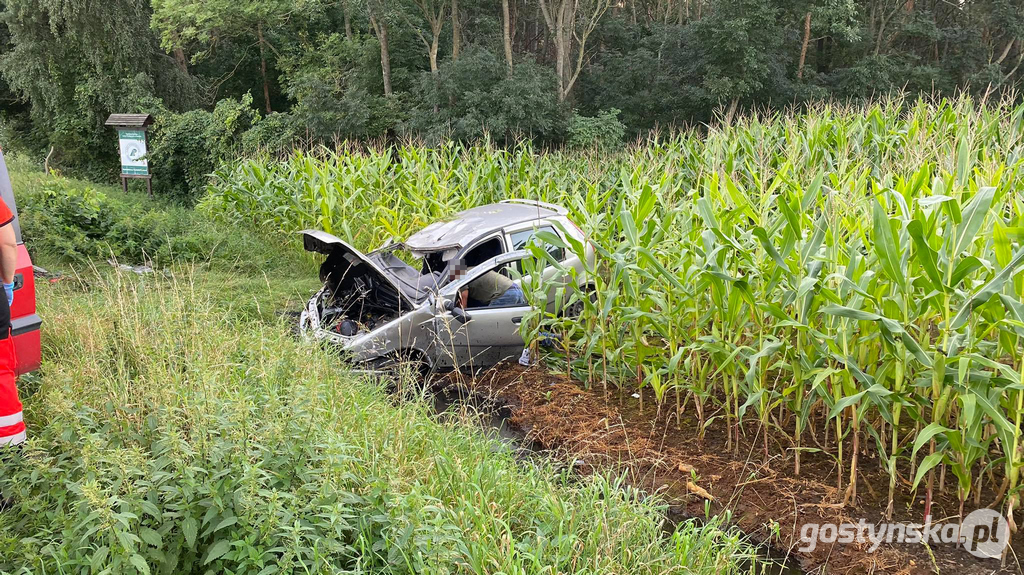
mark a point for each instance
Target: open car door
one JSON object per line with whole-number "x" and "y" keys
{"x": 480, "y": 335}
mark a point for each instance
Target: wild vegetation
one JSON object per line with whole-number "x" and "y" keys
{"x": 846, "y": 276}
{"x": 177, "y": 427}
{"x": 226, "y": 77}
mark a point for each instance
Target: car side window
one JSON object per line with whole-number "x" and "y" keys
{"x": 482, "y": 252}
{"x": 523, "y": 238}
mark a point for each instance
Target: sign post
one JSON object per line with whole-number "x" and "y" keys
{"x": 131, "y": 135}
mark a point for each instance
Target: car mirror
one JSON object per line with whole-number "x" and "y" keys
{"x": 457, "y": 312}
{"x": 460, "y": 314}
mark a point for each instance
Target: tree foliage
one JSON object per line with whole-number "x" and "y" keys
{"x": 332, "y": 70}
{"x": 74, "y": 62}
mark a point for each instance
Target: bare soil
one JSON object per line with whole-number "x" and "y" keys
{"x": 661, "y": 453}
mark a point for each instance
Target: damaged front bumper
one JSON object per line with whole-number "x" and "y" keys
{"x": 409, "y": 332}
{"x": 310, "y": 327}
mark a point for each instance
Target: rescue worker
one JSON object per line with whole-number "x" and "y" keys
{"x": 12, "y": 426}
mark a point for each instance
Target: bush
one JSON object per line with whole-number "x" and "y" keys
{"x": 475, "y": 96}
{"x": 67, "y": 221}
{"x": 275, "y": 134}
{"x": 337, "y": 90}
{"x": 601, "y": 131}
{"x": 187, "y": 147}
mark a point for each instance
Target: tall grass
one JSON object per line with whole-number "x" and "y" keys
{"x": 172, "y": 435}
{"x": 848, "y": 276}
{"x": 65, "y": 221}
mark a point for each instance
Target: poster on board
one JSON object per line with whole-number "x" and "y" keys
{"x": 133, "y": 152}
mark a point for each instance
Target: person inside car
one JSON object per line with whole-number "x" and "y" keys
{"x": 492, "y": 289}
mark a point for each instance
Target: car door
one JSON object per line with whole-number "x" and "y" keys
{"x": 479, "y": 336}
{"x": 518, "y": 238}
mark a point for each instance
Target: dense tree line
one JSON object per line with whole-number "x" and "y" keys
{"x": 221, "y": 74}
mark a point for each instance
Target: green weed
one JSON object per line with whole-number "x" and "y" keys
{"x": 171, "y": 434}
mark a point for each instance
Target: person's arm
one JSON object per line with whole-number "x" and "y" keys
{"x": 8, "y": 259}
{"x": 8, "y": 253}
{"x": 462, "y": 298}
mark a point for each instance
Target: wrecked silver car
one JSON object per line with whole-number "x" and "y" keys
{"x": 460, "y": 307}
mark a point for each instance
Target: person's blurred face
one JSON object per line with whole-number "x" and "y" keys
{"x": 457, "y": 270}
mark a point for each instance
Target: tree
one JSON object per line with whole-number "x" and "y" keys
{"x": 199, "y": 25}
{"x": 571, "y": 22}
{"x": 478, "y": 99}
{"x": 379, "y": 12}
{"x": 353, "y": 68}
{"x": 456, "y": 31}
{"x": 506, "y": 33}
{"x": 743, "y": 54}
{"x": 9, "y": 101}
{"x": 334, "y": 84}
{"x": 1004, "y": 26}
{"x": 435, "y": 14}
{"x": 75, "y": 61}
{"x": 835, "y": 19}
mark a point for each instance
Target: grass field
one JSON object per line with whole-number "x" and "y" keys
{"x": 855, "y": 270}
{"x": 177, "y": 427}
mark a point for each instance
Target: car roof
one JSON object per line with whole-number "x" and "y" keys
{"x": 464, "y": 227}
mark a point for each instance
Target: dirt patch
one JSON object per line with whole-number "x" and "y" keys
{"x": 600, "y": 431}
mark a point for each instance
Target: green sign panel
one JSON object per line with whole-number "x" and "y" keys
{"x": 133, "y": 152}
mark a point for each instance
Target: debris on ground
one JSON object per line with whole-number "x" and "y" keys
{"x": 42, "y": 273}
{"x": 140, "y": 269}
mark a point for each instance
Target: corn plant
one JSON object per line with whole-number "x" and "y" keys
{"x": 845, "y": 276}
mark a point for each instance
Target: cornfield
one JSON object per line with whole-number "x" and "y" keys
{"x": 849, "y": 273}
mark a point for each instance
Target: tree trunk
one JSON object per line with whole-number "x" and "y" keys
{"x": 1006, "y": 51}
{"x": 506, "y": 33}
{"x": 562, "y": 24}
{"x": 434, "y": 72}
{"x": 263, "y": 67}
{"x": 436, "y": 22}
{"x": 385, "y": 59}
{"x": 824, "y": 57}
{"x": 433, "y": 57}
{"x": 381, "y": 29}
{"x": 871, "y": 21}
{"x": 555, "y": 20}
{"x": 732, "y": 113}
{"x": 348, "y": 20}
{"x": 881, "y": 33}
{"x": 456, "y": 31}
{"x": 560, "y": 41}
{"x": 180, "y": 60}
{"x": 803, "y": 47}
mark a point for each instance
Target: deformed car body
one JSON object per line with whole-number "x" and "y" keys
{"x": 381, "y": 310}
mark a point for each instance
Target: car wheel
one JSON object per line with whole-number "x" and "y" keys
{"x": 575, "y": 309}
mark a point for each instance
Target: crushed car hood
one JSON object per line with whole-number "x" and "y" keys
{"x": 405, "y": 279}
